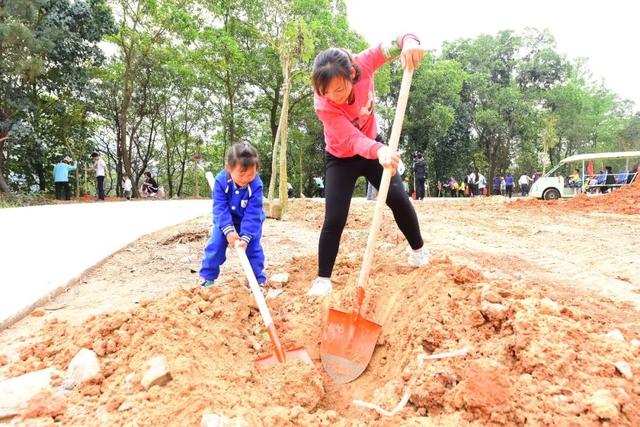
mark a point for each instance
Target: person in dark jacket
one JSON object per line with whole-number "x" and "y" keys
{"x": 149, "y": 186}
{"x": 420, "y": 174}
{"x": 610, "y": 180}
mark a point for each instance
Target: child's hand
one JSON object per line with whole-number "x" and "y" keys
{"x": 411, "y": 55}
{"x": 241, "y": 244}
{"x": 232, "y": 238}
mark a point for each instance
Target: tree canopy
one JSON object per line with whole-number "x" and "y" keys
{"x": 168, "y": 85}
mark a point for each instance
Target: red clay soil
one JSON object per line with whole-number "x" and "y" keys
{"x": 625, "y": 200}
{"x": 534, "y": 358}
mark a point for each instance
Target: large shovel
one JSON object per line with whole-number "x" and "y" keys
{"x": 279, "y": 355}
{"x": 348, "y": 340}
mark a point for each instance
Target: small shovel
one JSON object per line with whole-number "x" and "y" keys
{"x": 348, "y": 340}
{"x": 279, "y": 355}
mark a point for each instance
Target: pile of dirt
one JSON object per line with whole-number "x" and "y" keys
{"x": 311, "y": 212}
{"x": 186, "y": 237}
{"x": 209, "y": 339}
{"x": 625, "y": 200}
{"x": 531, "y": 358}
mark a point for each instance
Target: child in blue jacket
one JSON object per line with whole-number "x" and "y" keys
{"x": 237, "y": 214}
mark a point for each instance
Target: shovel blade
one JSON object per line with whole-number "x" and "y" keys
{"x": 347, "y": 345}
{"x": 271, "y": 360}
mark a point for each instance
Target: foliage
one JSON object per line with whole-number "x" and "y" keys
{"x": 176, "y": 82}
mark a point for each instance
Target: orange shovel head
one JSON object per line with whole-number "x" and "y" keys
{"x": 347, "y": 345}
{"x": 271, "y": 360}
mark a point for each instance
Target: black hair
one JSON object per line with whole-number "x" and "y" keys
{"x": 330, "y": 63}
{"x": 243, "y": 155}
{"x": 94, "y": 154}
{"x": 148, "y": 174}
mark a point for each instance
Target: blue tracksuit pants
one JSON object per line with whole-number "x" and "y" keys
{"x": 215, "y": 256}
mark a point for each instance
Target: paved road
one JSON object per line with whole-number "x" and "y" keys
{"x": 42, "y": 248}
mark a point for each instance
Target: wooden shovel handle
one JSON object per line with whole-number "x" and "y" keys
{"x": 384, "y": 187}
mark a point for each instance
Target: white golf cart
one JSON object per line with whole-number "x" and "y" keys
{"x": 599, "y": 173}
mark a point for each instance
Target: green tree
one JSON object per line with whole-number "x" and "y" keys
{"x": 47, "y": 48}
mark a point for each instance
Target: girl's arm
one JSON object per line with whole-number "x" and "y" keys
{"x": 407, "y": 46}
{"x": 350, "y": 136}
{"x": 252, "y": 219}
{"x": 221, "y": 212}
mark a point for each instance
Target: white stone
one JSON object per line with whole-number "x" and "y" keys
{"x": 604, "y": 405}
{"x": 156, "y": 373}
{"x": 84, "y": 365}
{"x": 624, "y": 369}
{"x": 182, "y": 249}
{"x": 279, "y": 278}
{"x": 549, "y": 306}
{"x": 494, "y": 312}
{"x": 16, "y": 392}
{"x": 274, "y": 293}
{"x": 616, "y": 335}
{"x": 125, "y": 406}
{"x": 213, "y": 420}
{"x": 635, "y": 344}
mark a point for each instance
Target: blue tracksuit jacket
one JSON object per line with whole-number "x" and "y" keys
{"x": 236, "y": 209}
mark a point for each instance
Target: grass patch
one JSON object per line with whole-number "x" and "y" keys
{"x": 18, "y": 200}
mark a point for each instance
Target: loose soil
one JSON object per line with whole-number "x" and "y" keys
{"x": 532, "y": 290}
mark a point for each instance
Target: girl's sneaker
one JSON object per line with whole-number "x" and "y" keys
{"x": 418, "y": 259}
{"x": 320, "y": 286}
{"x": 207, "y": 283}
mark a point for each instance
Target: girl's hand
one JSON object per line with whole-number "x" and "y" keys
{"x": 411, "y": 55}
{"x": 388, "y": 159}
{"x": 232, "y": 238}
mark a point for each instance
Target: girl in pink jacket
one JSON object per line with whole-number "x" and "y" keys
{"x": 344, "y": 102}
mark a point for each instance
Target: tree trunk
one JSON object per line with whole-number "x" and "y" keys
{"x": 273, "y": 114}
{"x": 300, "y": 176}
{"x": 42, "y": 176}
{"x": 126, "y": 100}
{"x": 169, "y": 172}
{"x": 86, "y": 186}
{"x": 284, "y": 199}
{"x": 232, "y": 124}
{"x": 274, "y": 159}
{"x": 4, "y": 188}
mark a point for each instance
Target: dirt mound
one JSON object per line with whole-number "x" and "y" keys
{"x": 311, "y": 211}
{"x": 209, "y": 339}
{"x": 531, "y": 360}
{"x": 625, "y": 200}
{"x": 186, "y": 237}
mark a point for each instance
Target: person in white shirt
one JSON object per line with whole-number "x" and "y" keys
{"x": 482, "y": 184}
{"x": 127, "y": 187}
{"x": 471, "y": 183}
{"x": 524, "y": 182}
{"x": 101, "y": 170}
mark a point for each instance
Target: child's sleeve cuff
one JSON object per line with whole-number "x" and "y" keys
{"x": 228, "y": 229}
{"x": 246, "y": 238}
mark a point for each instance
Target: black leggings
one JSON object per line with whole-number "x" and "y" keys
{"x": 340, "y": 181}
